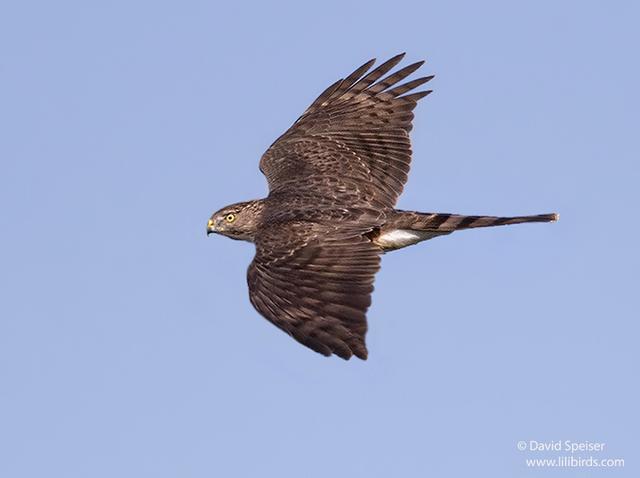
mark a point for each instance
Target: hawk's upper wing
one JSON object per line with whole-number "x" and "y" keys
{"x": 354, "y": 138}
{"x": 315, "y": 285}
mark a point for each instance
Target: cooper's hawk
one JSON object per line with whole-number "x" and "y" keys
{"x": 334, "y": 179}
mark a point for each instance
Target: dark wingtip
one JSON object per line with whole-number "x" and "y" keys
{"x": 418, "y": 95}
{"x": 361, "y": 352}
{"x": 370, "y": 63}
{"x": 343, "y": 354}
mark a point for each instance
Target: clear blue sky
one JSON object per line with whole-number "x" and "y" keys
{"x": 128, "y": 346}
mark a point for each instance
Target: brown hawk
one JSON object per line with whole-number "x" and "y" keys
{"x": 334, "y": 179}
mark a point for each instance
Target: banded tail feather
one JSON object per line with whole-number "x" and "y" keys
{"x": 406, "y": 228}
{"x": 439, "y": 222}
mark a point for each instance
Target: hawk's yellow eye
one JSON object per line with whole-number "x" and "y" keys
{"x": 230, "y": 217}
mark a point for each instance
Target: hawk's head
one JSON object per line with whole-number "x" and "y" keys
{"x": 237, "y": 221}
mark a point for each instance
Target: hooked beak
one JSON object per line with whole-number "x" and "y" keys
{"x": 211, "y": 227}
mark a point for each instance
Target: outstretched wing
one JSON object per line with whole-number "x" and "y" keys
{"x": 315, "y": 288}
{"x": 353, "y": 141}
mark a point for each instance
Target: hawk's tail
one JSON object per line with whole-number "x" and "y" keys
{"x": 446, "y": 223}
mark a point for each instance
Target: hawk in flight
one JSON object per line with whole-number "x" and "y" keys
{"x": 334, "y": 178}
